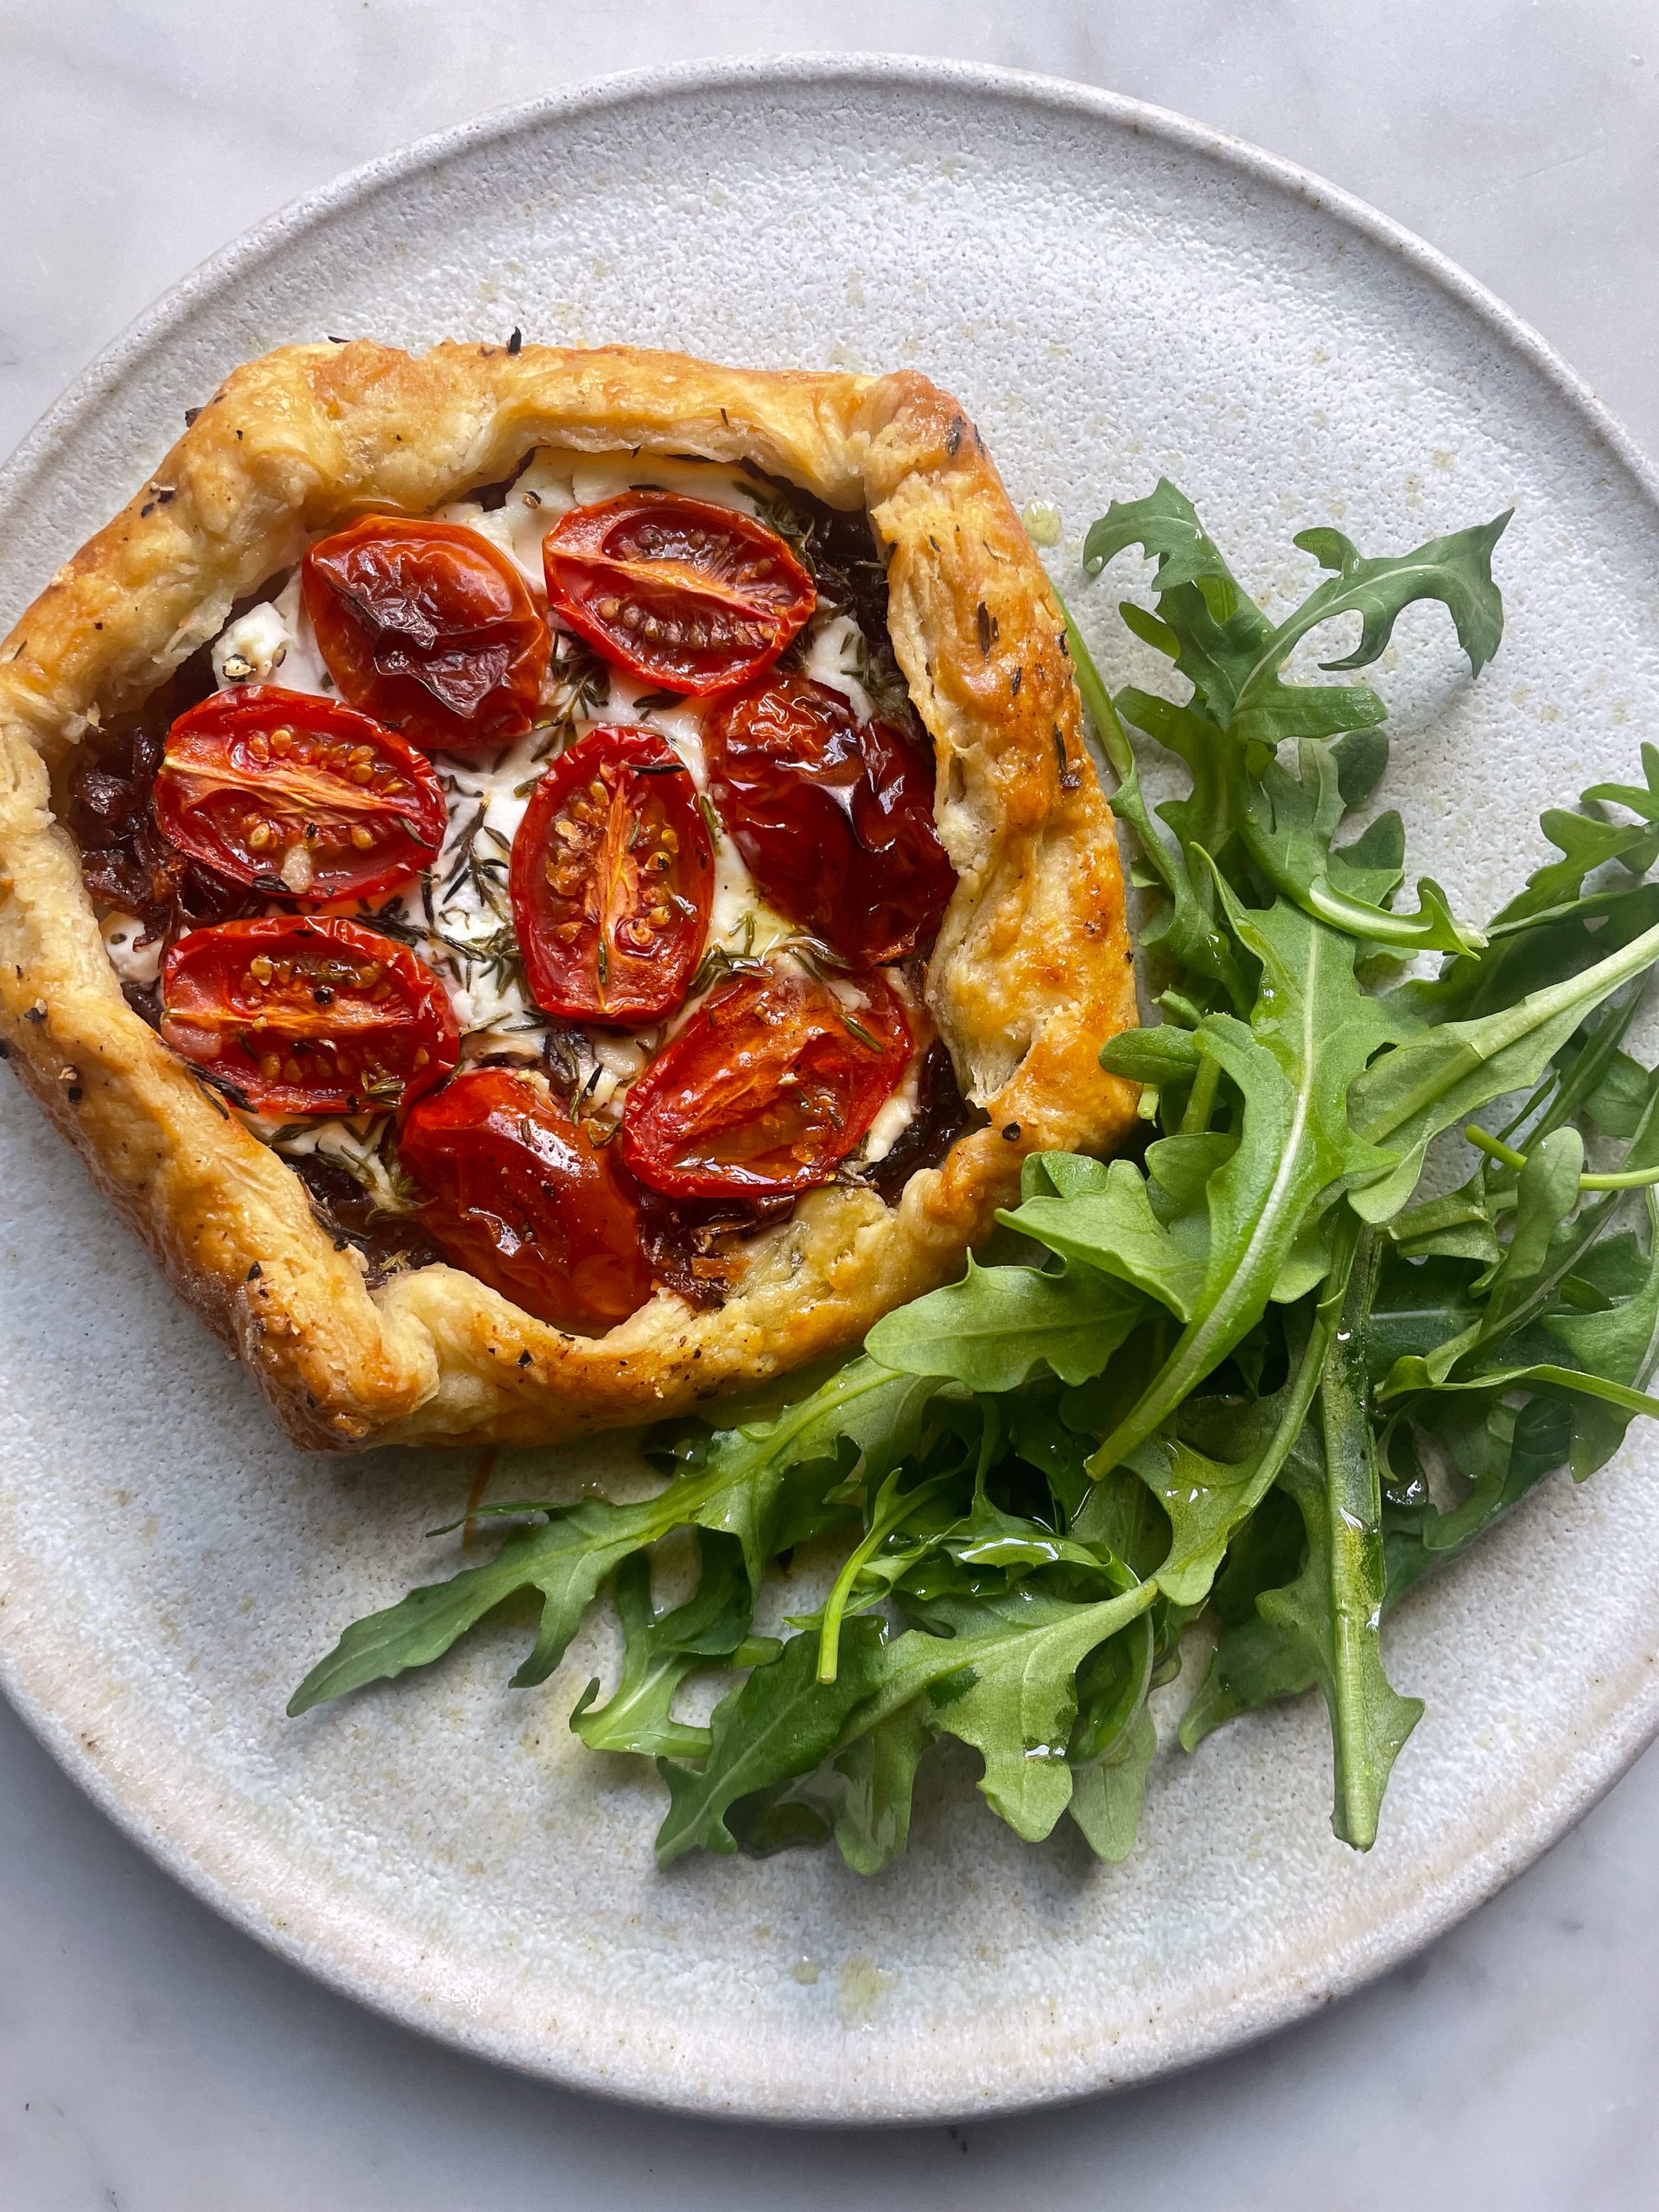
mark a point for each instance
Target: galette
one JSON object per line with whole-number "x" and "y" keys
{"x": 549, "y": 884}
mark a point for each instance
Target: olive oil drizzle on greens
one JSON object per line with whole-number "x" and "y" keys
{"x": 1255, "y": 1386}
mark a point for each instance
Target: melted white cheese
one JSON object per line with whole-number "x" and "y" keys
{"x": 837, "y": 657}
{"x": 135, "y": 958}
{"x": 894, "y": 1116}
{"x": 461, "y": 913}
{"x": 273, "y": 643}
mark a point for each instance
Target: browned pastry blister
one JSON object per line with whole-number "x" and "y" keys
{"x": 1031, "y": 972}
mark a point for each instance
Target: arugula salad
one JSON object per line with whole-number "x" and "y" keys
{"x": 1387, "y": 1256}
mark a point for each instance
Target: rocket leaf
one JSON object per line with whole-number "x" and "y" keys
{"x": 1264, "y": 1377}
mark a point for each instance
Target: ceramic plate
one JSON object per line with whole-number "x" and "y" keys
{"x": 1116, "y": 294}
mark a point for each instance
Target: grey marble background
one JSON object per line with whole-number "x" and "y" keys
{"x": 153, "y": 2061}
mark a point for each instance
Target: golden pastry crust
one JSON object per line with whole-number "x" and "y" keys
{"x": 1031, "y": 973}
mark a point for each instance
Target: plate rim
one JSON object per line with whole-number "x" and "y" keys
{"x": 1532, "y": 1832}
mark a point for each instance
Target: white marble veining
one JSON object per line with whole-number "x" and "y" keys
{"x": 148, "y": 2057}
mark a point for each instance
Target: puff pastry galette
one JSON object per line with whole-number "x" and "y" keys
{"x": 546, "y": 884}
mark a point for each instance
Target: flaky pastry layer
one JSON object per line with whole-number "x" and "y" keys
{"x": 1031, "y": 973}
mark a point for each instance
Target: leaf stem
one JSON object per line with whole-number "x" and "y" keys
{"x": 1631, "y": 1178}
{"x": 1494, "y": 1147}
{"x": 1201, "y": 1099}
{"x": 893, "y": 1508}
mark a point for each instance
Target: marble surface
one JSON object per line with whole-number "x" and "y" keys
{"x": 149, "y": 2056}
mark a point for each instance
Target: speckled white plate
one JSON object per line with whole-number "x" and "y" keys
{"x": 1115, "y": 293}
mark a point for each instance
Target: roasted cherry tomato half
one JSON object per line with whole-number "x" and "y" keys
{"x": 430, "y": 628}
{"x": 693, "y": 597}
{"x": 612, "y": 877}
{"x": 304, "y": 1015}
{"x": 767, "y": 1088}
{"x": 304, "y": 798}
{"x": 833, "y": 816}
{"x": 517, "y": 1194}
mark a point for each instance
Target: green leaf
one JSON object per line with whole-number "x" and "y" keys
{"x": 1186, "y": 933}
{"x": 1542, "y": 1374}
{"x": 1107, "y": 1798}
{"x": 1546, "y": 1193}
{"x": 865, "y": 1413}
{"x": 1208, "y": 818}
{"x": 1288, "y": 822}
{"x": 1334, "y": 1607}
{"x": 780, "y": 1722}
{"x": 1113, "y": 1683}
{"x": 1255, "y": 1663}
{"x": 1311, "y": 1035}
{"x": 1456, "y": 569}
{"x": 1553, "y": 1251}
{"x": 1062, "y": 1175}
{"x": 990, "y": 1331}
{"x": 1114, "y": 1229}
{"x": 1444, "y": 1076}
{"x": 874, "y": 1782}
{"x": 1459, "y": 1226}
{"x": 1206, "y": 1500}
{"x": 1621, "y": 1097}
{"x": 1361, "y": 760}
{"x": 1555, "y": 926}
{"x": 1161, "y": 1055}
{"x": 1642, "y": 798}
{"x": 562, "y": 1563}
{"x": 1002, "y": 1678}
{"x": 1004, "y": 1681}
{"x": 1617, "y": 1340}
{"x": 1232, "y": 655}
{"x": 1418, "y": 1305}
{"x": 1504, "y": 1450}
{"x": 1322, "y": 1628}
{"x": 660, "y": 1650}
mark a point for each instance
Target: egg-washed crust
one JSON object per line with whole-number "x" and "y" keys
{"x": 1031, "y": 970}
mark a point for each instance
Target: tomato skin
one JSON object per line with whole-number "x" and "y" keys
{"x": 302, "y": 1015}
{"x": 767, "y": 1088}
{"x": 518, "y": 1195}
{"x": 342, "y": 807}
{"x": 694, "y": 597}
{"x": 833, "y": 816}
{"x": 430, "y": 628}
{"x": 613, "y": 837}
